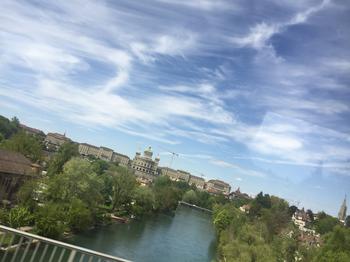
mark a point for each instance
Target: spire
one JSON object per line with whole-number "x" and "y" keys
{"x": 342, "y": 211}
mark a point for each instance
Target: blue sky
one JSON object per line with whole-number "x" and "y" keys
{"x": 252, "y": 92}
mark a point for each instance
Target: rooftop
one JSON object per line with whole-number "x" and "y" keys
{"x": 14, "y": 163}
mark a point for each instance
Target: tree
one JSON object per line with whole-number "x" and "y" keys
{"x": 99, "y": 166}
{"x": 292, "y": 210}
{"x": 336, "y": 247}
{"x": 124, "y": 184}
{"x": 7, "y": 127}
{"x": 65, "y": 153}
{"x": 143, "y": 201}
{"x": 347, "y": 221}
{"x": 50, "y": 220}
{"x": 77, "y": 181}
{"x": 78, "y": 216}
{"x": 166, "y": 194}
{"x": 325, "y": 223}
{"x": 190, "y": 197}
{"x": 310, "y": 215}
{"x": 27, "y": 145}
{"x": 28, "y": 194}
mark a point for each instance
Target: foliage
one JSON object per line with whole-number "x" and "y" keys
{"x": 261, "y": 201}
{"x": 167, "y": 194}
{"x": 50, "y": 220}
{"x": 78, "y": 216}
{"x": 191, "y": 197}
{"x": 28, "y": 194}
{"x": 325, "y": 223}
{"x": 124, "y": 184}
{"x": 27, "y": 145}
{"x": 336, "y": 247}
{"x": 64, "y": 154}
{"x": 77, "y": 181}
{"x": 143, "y": 201}
{"x": 8, "y": 127}
{"x": 347, "y": 221}
{"x": 292, "y": 210}
{"x": 99, "y": 166}
{"x": 16, "y": 217}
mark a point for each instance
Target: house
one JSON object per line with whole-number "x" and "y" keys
{"x": 175, "y": 175}
{"x": 15, "y": 169}
{"x": 55, "y": 140}
{"x": 32, "y": 131}
{"x": 238, "y": 194}
{"x": 121, "y": 159}
{"x": 199, "y": 182}
{"x": 216, "y": 186}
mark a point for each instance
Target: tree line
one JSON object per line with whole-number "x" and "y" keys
{"x": 267, "y": 233}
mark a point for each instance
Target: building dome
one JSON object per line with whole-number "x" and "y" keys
{"x": 148, "y": 152}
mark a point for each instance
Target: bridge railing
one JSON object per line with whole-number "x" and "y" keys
{"x": 19, "y": 246}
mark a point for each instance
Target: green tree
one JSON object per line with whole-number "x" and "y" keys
{"x": 27, "y": 145}
{"x": 50, "y": 220}
{"x": 190, "y": 197}
{"x": 99, "y": 166}
{"x": 292, "y": 210}
{"x": 78, "y": 215}
{"x": 124, "y": 184}
{"x": 64, "y": 154}
{"x": 325, "y": 223}
{"x": 7, "y": 127}
{"x": 336, "y": 246}
{"x": 29, "y": 193}
{"x": 143, "y": 201}
{"x": 77, "y": 181}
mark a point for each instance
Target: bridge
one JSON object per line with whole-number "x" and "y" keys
{"x": 195, "y": 207}
{"x": 19, "y": 246}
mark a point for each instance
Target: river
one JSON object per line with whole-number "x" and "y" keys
{"x": 187, "y": 236}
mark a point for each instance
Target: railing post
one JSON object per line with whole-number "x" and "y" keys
{"x": 72, "y": 255}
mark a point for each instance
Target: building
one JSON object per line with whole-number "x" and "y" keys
{"x": 121, "y": 159}
{"x": 32, "y": 131}
{"x": 88, "y": 150}
{"x": 301, "y": 219}
{"x": 245, "y": 208}
{"x": 238, "y": 195}
{"x": 55, "y": 140}
{"x": 216, "y": 186}
{"x": 14, "y": 170}
{"x": 342, "y": 211}
{"x": 175, "y": 175}
{"x": 144, "y": 166}
{"x": 199, "y": 182}
{"x": 105, "y": 153}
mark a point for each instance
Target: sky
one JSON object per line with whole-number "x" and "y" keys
{"x": 255, "y": 93}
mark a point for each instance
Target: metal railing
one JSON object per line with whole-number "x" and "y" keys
{"x": 19, "y": 246}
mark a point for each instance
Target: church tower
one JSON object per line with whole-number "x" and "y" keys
{"x": 342, "y": 211}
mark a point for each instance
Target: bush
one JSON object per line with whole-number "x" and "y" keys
{"x": 49, "y": 220}
{"x": 17, "y": 217}
{"x": 78, "y": 216}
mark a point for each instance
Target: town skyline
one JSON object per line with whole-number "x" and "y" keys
{"x": 235, "y": 187}
{"x": 252, "y": 93}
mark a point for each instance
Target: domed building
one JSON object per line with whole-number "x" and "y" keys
{"x": 144, "y": 166}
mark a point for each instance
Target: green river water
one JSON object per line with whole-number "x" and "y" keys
{"x": 187, "y": 236}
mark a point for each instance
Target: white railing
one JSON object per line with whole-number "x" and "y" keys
{"x": 19, "y": 246}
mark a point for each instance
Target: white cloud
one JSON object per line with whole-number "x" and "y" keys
{"x": 260, "y": 34}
